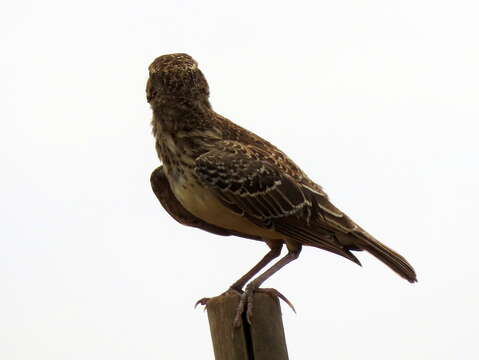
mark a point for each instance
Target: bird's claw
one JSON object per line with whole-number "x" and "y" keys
{"x": 275, "y": 293}
{"x": 246, "y": 298}
{"x": 247, "y": 301}
{"x": 204, "y": 301}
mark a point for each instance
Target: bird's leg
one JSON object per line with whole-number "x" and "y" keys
{"x": 247, "y": 296}
{"x": 237, "y": 287}
{"x": 272, "y": 254}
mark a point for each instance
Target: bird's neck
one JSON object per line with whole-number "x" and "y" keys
{"x": 184, "y": 129}
{"x": 172, "y": 114}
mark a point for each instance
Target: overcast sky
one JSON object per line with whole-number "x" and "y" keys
{"x": 378, "y": 101}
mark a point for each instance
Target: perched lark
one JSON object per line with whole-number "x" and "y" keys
{"x": 221, "y": 178}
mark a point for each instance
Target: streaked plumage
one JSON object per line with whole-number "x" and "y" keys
{"x": 226, "y": 180}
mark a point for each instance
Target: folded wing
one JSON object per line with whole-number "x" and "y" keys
{"x": 256, "y": 189}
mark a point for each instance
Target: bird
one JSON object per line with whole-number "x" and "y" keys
{"x": 221, "y": 178}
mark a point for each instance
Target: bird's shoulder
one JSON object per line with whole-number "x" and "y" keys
{"x": 250, "y": 146}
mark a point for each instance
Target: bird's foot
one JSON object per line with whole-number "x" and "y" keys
{"x": 231, "y": 290}
{"x": 202, "y": 301}
{"x": 246, "y": 302}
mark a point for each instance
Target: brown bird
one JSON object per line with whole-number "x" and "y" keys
{"x": 222, "y": 178}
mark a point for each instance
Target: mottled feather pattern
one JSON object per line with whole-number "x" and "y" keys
{"x": 249, "y": 186}
{"x": 258, "y": 190}
{"x": 249, "y": 176}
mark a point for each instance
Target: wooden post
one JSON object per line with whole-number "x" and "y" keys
{"x": 262, "y": 340}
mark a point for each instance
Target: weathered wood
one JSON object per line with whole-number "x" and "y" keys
{"x": 262, "y": 340}
{"x": 267, "y": 330}
{"x": 228, "y": 342}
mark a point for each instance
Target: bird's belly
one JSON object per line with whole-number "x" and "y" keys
{"x": 202, "y": 203}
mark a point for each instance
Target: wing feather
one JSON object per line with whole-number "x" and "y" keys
{"x": 269, "y": 197}
{"x": 272, "y": 192}
{"x": 251, "y": 187}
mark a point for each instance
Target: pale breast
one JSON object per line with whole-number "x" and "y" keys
{"x": 202, "y": 203}
{"x": 178, "y": 153}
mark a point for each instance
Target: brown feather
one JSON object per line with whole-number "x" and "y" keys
{"x": 388, "y": 256}
{"x": 232, "y": 177}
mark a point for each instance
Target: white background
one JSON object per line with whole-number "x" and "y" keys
{"x": 376, "y": 100}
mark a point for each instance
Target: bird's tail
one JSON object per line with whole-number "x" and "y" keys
{"x": 388, "y": 256}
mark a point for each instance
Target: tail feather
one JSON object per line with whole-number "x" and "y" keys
{"x": 388, "y": 256}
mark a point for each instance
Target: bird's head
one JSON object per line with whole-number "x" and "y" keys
{"x": 175, "y": 75}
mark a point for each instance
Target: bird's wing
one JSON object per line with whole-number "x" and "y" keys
{"x": 250, "y": 186}
{"x": 255, "y": 188}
